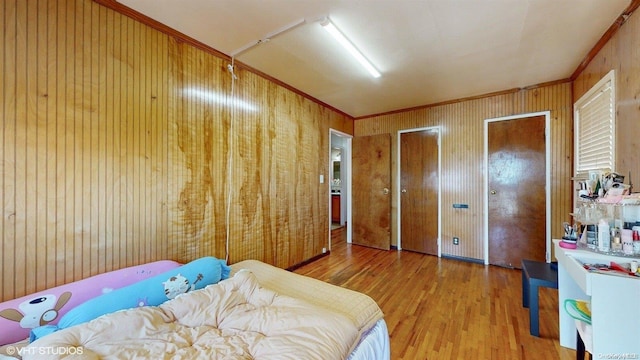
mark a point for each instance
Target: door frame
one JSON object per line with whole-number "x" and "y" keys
{"x": 547, "y": 175}
{"x": 438, "y": 130}
{"x": 345, "y": 174}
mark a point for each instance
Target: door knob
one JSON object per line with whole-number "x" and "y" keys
{"x": 493, "y": 192}
{"x": 404, "y": 190}
{"x": 385, "y": 191}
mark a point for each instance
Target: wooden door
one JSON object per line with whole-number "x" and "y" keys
{"x": 335, "y": 208}
{"x": 419, "y": 191}
{"x": 516, "y": 179}
{"x": 371, "y": 182}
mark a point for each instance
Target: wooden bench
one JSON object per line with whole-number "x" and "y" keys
{"x": 534, "y": 275}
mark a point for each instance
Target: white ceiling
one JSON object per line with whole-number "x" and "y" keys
{"x": 428, "y": 51}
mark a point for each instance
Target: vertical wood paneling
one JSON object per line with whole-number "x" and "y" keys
{"x": 100, "y": 130}
{"x": 285, "y": 170}
{"x": 4, "y": 164}
{"x": 59, "y": 142}
{"x": 462, "y": 148}
{"x": 628, "y": 146}
{"x": 115, "y": 151}
{"x": 21, "y": 156}
{"x": 84, "y": 149}
{"x": 118, "y": 195}
{"x": 136, "y": 131}
{"x": 110, "y": 161}
{"x": 193, "y": 186}
{"x": 624, "y": 59}
{"x": 36, "y": 140}
{"x": 102, "y": 178}
{"x": 74, "y": 116}
{"x": 621, "y": 54}
{"x": 9, "y": 41}
{"x": 9, "y": 145}
{"x": 107, "y": 138}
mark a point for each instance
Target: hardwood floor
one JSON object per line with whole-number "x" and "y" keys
{"x": 442, "y": 308}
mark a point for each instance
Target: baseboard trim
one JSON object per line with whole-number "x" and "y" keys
{"x": 465, "y": 259}
{"x": 296, "y": 266}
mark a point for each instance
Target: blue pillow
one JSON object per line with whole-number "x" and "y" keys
{"x": 152, "y": 291}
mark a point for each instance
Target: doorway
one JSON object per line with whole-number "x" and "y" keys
{"x": 335, "y": 178}
{"x": 516, "y": 189}
{"x": 419, "y": 174}
{"x": 339, "y": 184}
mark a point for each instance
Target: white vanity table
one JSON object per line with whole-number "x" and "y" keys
{"x": 615, "y": 303}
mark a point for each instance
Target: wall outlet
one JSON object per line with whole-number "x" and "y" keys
{"x": 456, "y": 240}
{"x": 324, "y": 250}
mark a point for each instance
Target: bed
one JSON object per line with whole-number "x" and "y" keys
{"x": 259, "y": 312}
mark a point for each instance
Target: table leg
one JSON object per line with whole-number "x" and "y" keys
{"x": 534, "y": 328}
{"x": 580, "y": 350}
{"x": 525, "y": 289}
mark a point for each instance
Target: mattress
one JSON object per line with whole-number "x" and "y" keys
{"x": 362, "y": 309}
{"x": 374, "y": 344}
{"x": 372, "y": 340}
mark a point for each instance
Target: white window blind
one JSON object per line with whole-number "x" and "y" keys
{"x": 594, "y": 116}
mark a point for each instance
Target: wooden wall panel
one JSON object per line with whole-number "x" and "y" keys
{"x": 462, "y": 125}
{"x": 197, "y": 173}
{"x": 107, "y": 160}
{"x": 622, "y": 54}
{"x": 116, "y": 144}
{"x": 10, "y": 152}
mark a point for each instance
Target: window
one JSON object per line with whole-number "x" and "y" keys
{"x": 594, "y": 120}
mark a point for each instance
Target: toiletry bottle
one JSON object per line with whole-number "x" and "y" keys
{"x": 616, "y": 243}
{"x": 592, "y": 237}
{"x": 636, "y": 240}
{"x": 627, "y": 241}
{"x": 604, "y": 236}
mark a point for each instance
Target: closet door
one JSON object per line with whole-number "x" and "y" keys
{"x": 419, "y": 183}
{"x": 371, "y": 200}
{"x": 517, "y": 202}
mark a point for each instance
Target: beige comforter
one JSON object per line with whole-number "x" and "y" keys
{"x": 234, "y": 319}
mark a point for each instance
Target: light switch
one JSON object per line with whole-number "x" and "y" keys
{"x": 321, "y": 179}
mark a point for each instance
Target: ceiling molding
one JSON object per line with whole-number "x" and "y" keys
{"x": 613, "y": 29}
{"x": 135, "y": 15}
{"x": 181, "y": 37}
{"x": 455, "y": 101}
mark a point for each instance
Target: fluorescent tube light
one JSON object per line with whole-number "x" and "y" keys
{"x": 333, "y": 30}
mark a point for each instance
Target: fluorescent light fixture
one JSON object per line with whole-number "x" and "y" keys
{"x": 333, "y": 30}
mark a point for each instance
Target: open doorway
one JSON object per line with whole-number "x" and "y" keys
{"x": 339, "y": 186}
{"x": 337, "y": 215}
